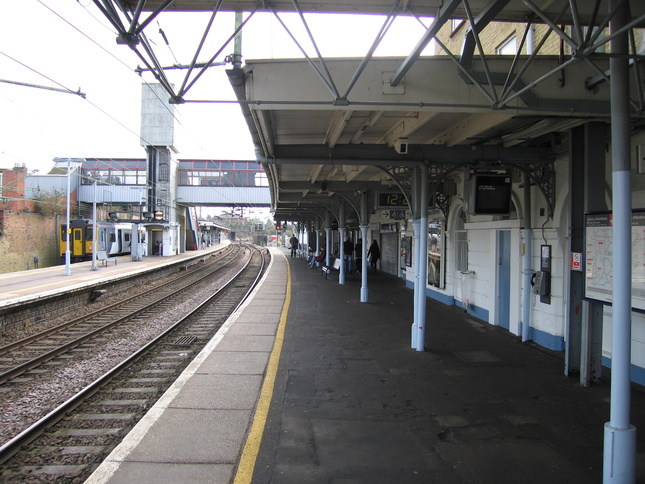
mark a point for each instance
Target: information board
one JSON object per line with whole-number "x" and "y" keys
{"x": 599, "y": 258}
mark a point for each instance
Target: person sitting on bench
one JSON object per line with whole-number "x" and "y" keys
{"x": 319, "y": 259}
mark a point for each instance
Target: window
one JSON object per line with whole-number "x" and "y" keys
{"x": 261, "y": 180}
{"x": 508, "y": 47}
{"x": 164, "y": 172}
{"x": 455, "y": 23}
{"x": 461, "y": 244}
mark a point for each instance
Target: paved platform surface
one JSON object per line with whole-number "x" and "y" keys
{"x": 22, "y": 286}
{"x": 353, "y": 403}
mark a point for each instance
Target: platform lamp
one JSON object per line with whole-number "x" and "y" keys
{"x": 75, "y": 163}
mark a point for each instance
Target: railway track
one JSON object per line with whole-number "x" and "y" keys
{"x": 73, "y": 439}
{"x": 26, "y": 354}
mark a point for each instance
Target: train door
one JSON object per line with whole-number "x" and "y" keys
{"x": 78, "y": 249}
{"x": 102, "y": 244}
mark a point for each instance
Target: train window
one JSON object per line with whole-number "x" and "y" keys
{"x": 77, "y": 235}
{"x": 112, "y": 237}
{"x": 126, "y": 237}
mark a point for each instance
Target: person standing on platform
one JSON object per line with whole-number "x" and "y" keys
{"x": 293, "y": 241}
{"x": 374, "y": 254}
{"x": 358, "y": 250}
{"x": 348, "y": 248}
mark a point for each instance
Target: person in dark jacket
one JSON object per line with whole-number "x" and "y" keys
{"x": 373, "y": 254}
{"x": 358, "y": 251}
{"x": 348, "y": 251}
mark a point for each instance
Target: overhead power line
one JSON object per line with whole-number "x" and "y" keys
{"x": 49, "y": 88}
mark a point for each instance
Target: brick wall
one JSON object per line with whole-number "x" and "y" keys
{"x": 494, "y": 35}
{"x": 25, "y": 235}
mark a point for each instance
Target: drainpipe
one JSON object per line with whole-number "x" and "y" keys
{"x": 528, "y": 251}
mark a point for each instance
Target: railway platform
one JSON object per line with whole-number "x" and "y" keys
{"x": 17, "y": 287}
{"x": 308, "y": 385}
{"x": 305, "y": 384}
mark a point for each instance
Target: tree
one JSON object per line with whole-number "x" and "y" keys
{"x": 50, "y": 203}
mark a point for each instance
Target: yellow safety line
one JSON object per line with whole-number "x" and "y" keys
{"x": 245, "y": 469}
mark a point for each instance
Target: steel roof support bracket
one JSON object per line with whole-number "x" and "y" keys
{"x": 444, "y": 15}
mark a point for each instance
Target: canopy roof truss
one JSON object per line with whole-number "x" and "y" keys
{"x": 343, "y": 121}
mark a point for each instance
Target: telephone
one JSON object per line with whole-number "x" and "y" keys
{"x": 540, "y": 282}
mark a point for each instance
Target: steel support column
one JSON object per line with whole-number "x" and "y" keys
{"x": 528, "y": 254}
{"x": 418, "y": 290}
{"x": 364, "y": 226}
{"x": 423, "y": 258}
{"x": 341, "y": 250}
{"x": 619, "y": 465}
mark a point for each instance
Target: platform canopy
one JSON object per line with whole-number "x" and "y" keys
{"x": 326, "y": 129}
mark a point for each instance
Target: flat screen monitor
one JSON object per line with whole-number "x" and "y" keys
{"x": 490, "y": 194}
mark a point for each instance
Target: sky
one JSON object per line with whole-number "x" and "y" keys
{"x": 68, "y": 44}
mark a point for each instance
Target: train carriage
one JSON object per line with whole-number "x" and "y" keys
{"x": 113, "y": 238}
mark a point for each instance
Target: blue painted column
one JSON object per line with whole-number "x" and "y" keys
{"x": 619, "y": 465}
{"x": 423, "y": 258}
{"x": 341, "y": 249}
{"x": 528, "y": 254}
{"x": 416, "y": 224}
{"x": 327, "y": 245}
{"x": 364, "y": 291}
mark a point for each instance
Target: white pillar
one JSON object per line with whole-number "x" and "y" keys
{"x": 341, "y": 275}
{"x": 364, "y": 229}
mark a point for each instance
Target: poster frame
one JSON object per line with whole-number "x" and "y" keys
{"x": 597, "y": 221}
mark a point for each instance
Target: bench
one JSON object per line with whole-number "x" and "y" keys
{"x": 334, "y": 267}
{"x": 103, "y": 257}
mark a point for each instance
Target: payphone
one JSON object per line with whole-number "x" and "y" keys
{"x": 541, "y": 280}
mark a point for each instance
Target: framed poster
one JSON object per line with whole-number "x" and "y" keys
{"x": 406, "y": 252}
{"x": 599, "y": 258}
{"x": 436, "y": 255}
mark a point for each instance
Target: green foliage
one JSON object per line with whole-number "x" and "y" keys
{"x": 50, "y": 203}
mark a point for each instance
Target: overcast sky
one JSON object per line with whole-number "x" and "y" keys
{"x": 68, "y": 44}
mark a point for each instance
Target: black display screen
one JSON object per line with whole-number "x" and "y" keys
{"x": 492, "y": 194}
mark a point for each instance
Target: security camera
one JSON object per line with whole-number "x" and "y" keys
{"x": 401, "y": 146}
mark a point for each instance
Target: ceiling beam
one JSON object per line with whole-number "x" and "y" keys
{"x": 468, "y": 127}
{"x": 407, "y": 126}
{"x": 378, "y": 155}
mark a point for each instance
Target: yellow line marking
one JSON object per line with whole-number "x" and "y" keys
{"x": 245, "y": 469}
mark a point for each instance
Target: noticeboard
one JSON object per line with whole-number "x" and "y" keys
{"x": 599, "y": 258}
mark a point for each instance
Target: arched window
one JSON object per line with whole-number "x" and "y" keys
{"x": 461, "y": 243}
